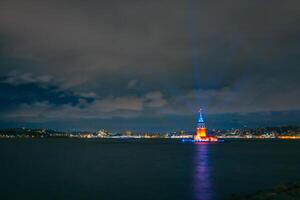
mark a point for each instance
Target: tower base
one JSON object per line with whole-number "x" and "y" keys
{"x": 205, "y": 139}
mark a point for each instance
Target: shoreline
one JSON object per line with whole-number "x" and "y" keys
{"x": 145, "y": 138}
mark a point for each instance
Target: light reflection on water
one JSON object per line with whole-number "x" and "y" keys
{"x": 202, "y": 175}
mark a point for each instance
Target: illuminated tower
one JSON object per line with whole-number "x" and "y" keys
{"x": 200, "y": 135}
{"x": 200, "y": 130}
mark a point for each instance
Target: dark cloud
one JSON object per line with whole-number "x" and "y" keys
{"x": 27, "y": 89}
{"x": 148, "y": 58}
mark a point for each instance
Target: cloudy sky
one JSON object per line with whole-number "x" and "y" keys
{"x": 149, "y": 65}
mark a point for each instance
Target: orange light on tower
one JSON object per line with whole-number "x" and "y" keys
{"x": 201, "y": 132}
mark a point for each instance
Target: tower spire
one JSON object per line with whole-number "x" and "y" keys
{"x": 200, "y": 119}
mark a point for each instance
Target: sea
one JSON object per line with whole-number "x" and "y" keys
{"x": 143, "y": 169}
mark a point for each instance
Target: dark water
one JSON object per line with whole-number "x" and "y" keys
{"x": 143, "y": 169}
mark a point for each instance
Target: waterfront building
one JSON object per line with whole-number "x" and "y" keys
{"x": 102, "y": 134}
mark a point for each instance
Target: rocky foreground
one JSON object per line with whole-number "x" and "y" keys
{"x": 281, "y": 192}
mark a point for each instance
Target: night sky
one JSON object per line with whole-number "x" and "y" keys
{"x": 149, "y": 65}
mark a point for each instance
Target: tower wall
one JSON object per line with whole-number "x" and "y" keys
{"x": 201, "y": 132}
